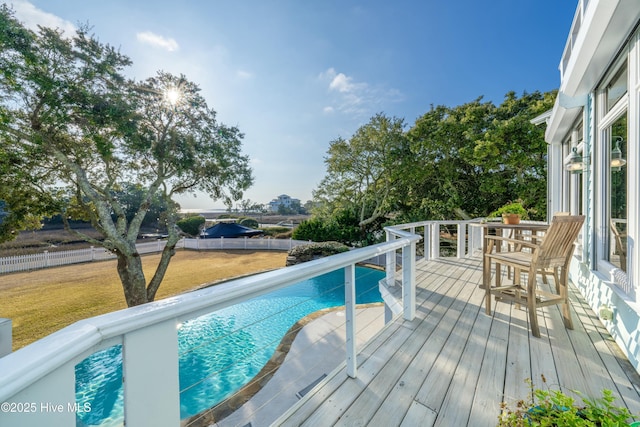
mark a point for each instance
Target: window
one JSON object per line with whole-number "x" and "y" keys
{"x": 617, "y": 174}
{"x": 610, "y": 175}
{"x": 617, "y": 87}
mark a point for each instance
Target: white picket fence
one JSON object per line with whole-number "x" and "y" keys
{"x": 243, "y": 243}
{"x": 53, "y": 259}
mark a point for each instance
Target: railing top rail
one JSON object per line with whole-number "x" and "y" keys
{"x": 434, "y": 221}
{"x": 27, "y": 365}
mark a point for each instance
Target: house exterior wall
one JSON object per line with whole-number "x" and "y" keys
{"x": 592, "y": 111}
{"x": 282, "y": 200}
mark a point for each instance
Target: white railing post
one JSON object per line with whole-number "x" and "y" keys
{"x": 46, "y": 258}
{"x": 409, "y": 281}
{"x": 475, "y": 233}
{"x": 435, "y": 240}
{"x": 350, "y": 312}
{"x": 245, "y": 242}
{"x": 390, "y": 264}
{"x": 49, "y": 402}
{"x": 6, "y": 336}
{"x": 462, "y": 231}
{"x": 146, "y": 353}
{"x": 427, "y": 241}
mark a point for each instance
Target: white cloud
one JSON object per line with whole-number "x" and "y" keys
{"x": 353, "y": 97}
{"x": 350, "y": 94}
{"x": 341, "y": 83}
{"x": 31, "y": 17}
{"x": 147, "y": 37}
{"x": 245, "y": 75}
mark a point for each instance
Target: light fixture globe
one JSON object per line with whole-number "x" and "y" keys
{"x": 617, "y": 161}
{"x": 574, "y": 165}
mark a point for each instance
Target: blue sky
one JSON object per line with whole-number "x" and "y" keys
{"x": 294, "y": 75}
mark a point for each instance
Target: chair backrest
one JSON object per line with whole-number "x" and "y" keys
{"x": 621, "y": 249}
{"x": 557, "y": 245}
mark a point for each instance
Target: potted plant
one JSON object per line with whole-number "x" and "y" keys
{"x": 511, "y": 213}
{"x": 555, "y": 408}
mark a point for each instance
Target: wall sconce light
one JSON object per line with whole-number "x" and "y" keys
{"x": 617, "y": 161}
{"x": 575, "y": 164}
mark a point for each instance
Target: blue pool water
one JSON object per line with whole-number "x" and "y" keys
{"x": 220, "y": 352}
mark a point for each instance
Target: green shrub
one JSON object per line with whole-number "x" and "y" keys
{"x": 511, "y": 208}
{"x": 191, "y": 225}
{"x": 275, "y": 231}
{"x": 249, "y": 222}
{"x": 311, "y": 229}
{"x": 227, "y": 216}
{"x": 312, "y": 251}
{"x": 554, "y": 408}
{"x": 285, "y": 235}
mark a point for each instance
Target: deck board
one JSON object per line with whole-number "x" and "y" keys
{"x": 454, "y": 364}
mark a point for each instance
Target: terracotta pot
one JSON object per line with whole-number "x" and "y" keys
{"x": 511, "y": 218}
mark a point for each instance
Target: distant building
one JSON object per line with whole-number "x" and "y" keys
{"x": 283, "y": 200}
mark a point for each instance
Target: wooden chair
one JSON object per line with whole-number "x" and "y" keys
{"x": 551, "y": 255}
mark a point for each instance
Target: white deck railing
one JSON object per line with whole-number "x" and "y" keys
{"x": 37, "y": 382}
{"x": 467, "y": 236}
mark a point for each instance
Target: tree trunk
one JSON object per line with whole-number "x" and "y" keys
{"x": 154, "y": 284}
{"x": 132, "y": 278}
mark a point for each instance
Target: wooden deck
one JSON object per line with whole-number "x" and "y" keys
{"x": 453, "y": 365}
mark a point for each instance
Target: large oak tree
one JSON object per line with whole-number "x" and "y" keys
{"x": 463, "y": 161}
{"x": 75, "y": 132}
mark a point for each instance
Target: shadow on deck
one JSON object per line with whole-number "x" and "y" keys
{"x": 453, "y": 365}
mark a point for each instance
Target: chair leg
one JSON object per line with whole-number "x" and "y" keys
{"x": 557, "y": 279}
{"x": 517, "y": 273}
{"x": 531, "y": 303}
{"x": 564, "y": 293}
{"x": 543, "y": 273}
{"x": 486, "y": 281}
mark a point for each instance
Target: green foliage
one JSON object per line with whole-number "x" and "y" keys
{"x": 312, "y": 251}
{"x": 276, "y": 232}
{"x": 555, "y": 408}
{"x": 454, "y": 162}
{"x": 249, "y": 222}
{"x": 365, "y": 174}
{"x": 312, "y": 229}
{"x": 131, "y": 197}
{"x": 510, "y": 208}
{"x": 284, "y": 235}
{"x": 191, "y": 225}
{"x": 342, "y": 226}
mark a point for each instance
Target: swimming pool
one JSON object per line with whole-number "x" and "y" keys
{"x": 222, "y": 351}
